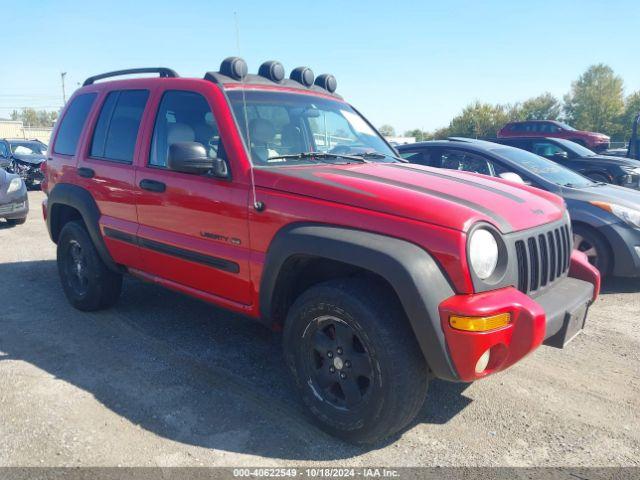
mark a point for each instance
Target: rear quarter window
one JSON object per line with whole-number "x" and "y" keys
{"x": 72, "y": 124}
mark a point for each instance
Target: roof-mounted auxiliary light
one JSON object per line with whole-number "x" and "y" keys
{"x": 302, "y": 75}
{"x": 234, "y": 67}
{"x": 273, "y": 70}
{"x": 327, "y": 81}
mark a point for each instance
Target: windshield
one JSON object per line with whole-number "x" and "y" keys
{"x": 575, "y": 147}
{"x": 565, "y": 126}
{"x": 547, "y": 169}
{"x": 288, "y": 124}
{"x": 28, "y": 148}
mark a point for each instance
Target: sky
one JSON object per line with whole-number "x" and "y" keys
{"x": 408, "y": 64}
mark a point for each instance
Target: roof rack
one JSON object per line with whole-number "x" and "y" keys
{"x": 162, "y": 71}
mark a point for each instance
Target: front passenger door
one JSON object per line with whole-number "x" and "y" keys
{"x": 193, "y": 229}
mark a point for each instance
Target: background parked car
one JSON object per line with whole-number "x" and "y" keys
{"x": 14, "y": 204}
{"x": 550, "y": 128}
{"x": 599, "y": 168}
{"x": 23, "y": 157}
{"x": 605, "y": 218}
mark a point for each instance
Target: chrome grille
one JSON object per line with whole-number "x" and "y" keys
{"x": 543, "y": 258}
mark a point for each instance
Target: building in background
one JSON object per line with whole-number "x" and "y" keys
{"x": 16, "y": 129}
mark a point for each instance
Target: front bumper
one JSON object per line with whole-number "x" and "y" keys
{"x": 17, "y": 207}
{"x": 598, "y": 145}
{"x": 29, "y": 172}
{"x": 625, "y": 242}
{"x": 549, "y": 319}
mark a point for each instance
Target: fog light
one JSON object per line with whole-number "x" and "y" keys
{"x": 483, "y": 361}
{"x": 480, "y": 324}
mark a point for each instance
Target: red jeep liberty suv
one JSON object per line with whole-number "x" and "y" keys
{"x": 275, "y": 198}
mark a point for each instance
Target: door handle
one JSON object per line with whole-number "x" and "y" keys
{"x": 152, "y": 185}
{"x": 85, "y": 172}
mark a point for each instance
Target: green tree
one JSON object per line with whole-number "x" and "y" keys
{"x": 418, "y": 134}
{"x": 596, "y": 101}
{"x": 34, "y": 118}
{"x": 631, "y": 111}
{"x": 542, "y": 107}
{"x": 478, "y": 120}
{"x": 387, "y": 130}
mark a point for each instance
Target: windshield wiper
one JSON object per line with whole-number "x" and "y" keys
{"x": 380, "y": 155}
{"x": 316, "y": 155}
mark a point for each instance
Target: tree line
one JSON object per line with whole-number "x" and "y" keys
{"x": 34, "y": 118}
{"x": 596, "y": 102}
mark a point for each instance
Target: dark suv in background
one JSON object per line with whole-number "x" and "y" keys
{"x": 600, "y": 168}
{"x": 551, "y": 128}
{"x": 24, "y": 158}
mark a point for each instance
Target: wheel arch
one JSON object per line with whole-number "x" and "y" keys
{"x": 303, "y": 254}
{"x": 602, "y": 238}
{"x": 69, "y": 202}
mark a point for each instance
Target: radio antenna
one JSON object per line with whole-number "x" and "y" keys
{"x": 259, "y": 206}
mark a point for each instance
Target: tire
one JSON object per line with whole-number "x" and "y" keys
{"x": 590, "y": 242}
{"x": 368, "y": 323}
{"x": 87, "y": 282}
{"x": 16, "y": 221}
{"x": 598, "y": 177}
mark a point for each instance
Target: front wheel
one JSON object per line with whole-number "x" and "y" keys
{"x": 589, "y": 242}
{"x": 355, "y": 360}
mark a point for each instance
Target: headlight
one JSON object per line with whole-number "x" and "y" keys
{"x": 629, "y": 215}
{"x": 15, "y": 185}
{"x": 632, "y": 170}
{"x": 483, "y": 253}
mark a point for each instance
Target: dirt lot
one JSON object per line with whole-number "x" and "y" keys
{"x": 165, "y": 380}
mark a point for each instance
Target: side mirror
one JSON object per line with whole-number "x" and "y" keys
{"x": 512, "y": 177}
{"x": 560, "y": 155}
{"x": 191, "y": 157}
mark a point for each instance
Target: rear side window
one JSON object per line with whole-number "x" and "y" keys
{"x": 117, "y": 127}
{"x": 72, "y": 124}
{"x": 421, "y": 157}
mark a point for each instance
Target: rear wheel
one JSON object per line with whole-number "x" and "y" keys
{"x": 87, "y": 282}
{"x": 591, "y": 243}
{"x": 355, "y": 360}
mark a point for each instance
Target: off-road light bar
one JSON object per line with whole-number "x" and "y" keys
{"x": 327, "y": 81}
{"x": 272, "y": 70}
{"x": 234, "y": 67}
{"x": 302, "y": 75}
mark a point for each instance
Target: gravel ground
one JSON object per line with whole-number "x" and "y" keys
{"x": 165, "y": 380}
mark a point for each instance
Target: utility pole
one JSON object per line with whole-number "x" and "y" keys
{"x": 64, "y": 95}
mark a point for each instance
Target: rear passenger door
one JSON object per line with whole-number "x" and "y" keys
{"x": 106, "y": 169}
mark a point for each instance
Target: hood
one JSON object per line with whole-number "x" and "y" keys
{"x": 614, "y": 160}
{"x": 597, "y": 134}
{"x": 32, "y": 159}
{"x": 608, "y": 193}
{"x": 443, "y": 197}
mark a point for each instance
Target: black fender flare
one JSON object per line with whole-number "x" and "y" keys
{"x": 81, "y": 200}
{"x": 416, "y": 277}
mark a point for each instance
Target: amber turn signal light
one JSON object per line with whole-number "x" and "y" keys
{"x": 479, "y": 324}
